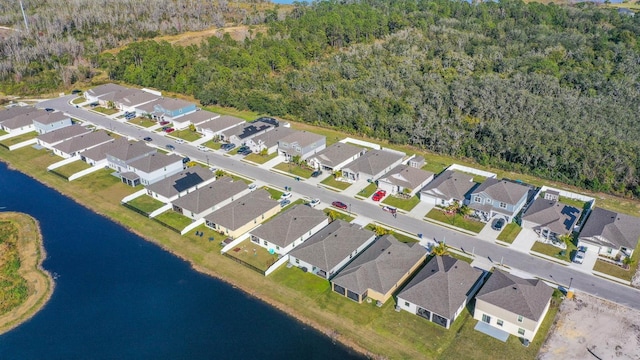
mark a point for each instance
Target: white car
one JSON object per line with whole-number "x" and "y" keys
{"x": 579, "y": 257}
{"x": 179, "y": 141}
{"x": 202, "y": 148}
{"x": 314, "y": 202}
{"x": 285, "y": 195}
{"x": 252, "y": 187}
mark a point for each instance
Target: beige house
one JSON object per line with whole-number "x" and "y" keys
{"x": 243, "y": 214}
{"x": 512, "y": 305}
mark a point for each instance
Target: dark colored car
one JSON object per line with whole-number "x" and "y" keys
{"x": 229, "y": 147}
{"x": 498, "y": 224}
{"x": 76, "y": 91}
{"x": 164, "y": 123}
{"x": 185, "y": 160}
{"x": 284, "y": 203}
{"x": 316, "y": 173}
{"x": 339, "y": 205}
{"x": 171, "y": 147}
{"x": 49, "y": 110}
{"x": 245, "y": 152}
{"x": 147, "y": 139}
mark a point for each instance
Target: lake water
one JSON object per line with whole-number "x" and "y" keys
{"x": 120, "y": 297}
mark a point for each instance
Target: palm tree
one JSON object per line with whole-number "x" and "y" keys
{"x": 332, "y": 215}
{"x": 220, "y": 173}
{"x": 627, "y": 262}
{"x": 440, "y": 249}
{"x": 465, "y": 211}
{"x": 379, "y": 230}
{"x": 567, "y": 239}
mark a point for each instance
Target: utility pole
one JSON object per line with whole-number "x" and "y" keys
{"x": 24, "y": 16}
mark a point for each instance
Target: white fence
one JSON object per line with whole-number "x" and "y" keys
{"x": 160, "y": 211}
{"x": 84, "y": 172}
{"x": 63, "y": 162}
{"x": 361, "y": 143}
{"x": 276, "y": 265}
{"x": 192, "y": 226}
{"x": 471, "y": 170}
{"x": 23, "y": 144}
{"x": 234, "y": 243}
{"x": 570, "y": 195}
{"x": 128, "y": 198}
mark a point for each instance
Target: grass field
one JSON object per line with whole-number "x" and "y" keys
{"x": 146, "y": 204}
{"x": 142, "y": 121}
{"x": 331, "y": 181}
{"x": 275, "y": 194}
{"x": 338, "y": 214}
{"x": 253, "y": 254}
{"x": 368, "y": 190}
{"x": 186, "y": 135}
{"x": 259, "y": 159}
{"x": 553, "y": 251}
{"x": 456, "y": 220}
{"x": 212, "y": 145}
{"x": 401, "y": 203}
{"x": 294, "y": 169}
{"x": 173, "y": 219}
{"x": 104, "y": 110}
{"x": 242, "y": 114}
{"x": 72, "y": 168}
{"x": 78, "y": 100}
{"x": 18, "y": 139}
{"x": 617, "y": 271}
{"x": 509, "y": 233}
{"x": 2, "y": 133}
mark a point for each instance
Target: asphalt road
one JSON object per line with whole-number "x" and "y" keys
{"x": 495, "y": 253}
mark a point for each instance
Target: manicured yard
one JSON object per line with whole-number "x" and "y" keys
{"x": 78, "y": 100}
{"x": 18, "y": 139}
{"x": 243, "y": 114}
{"x": 435, "y": 166}
{"x": 339, "y": 214}
{"x": 368, "y": 191}
{"x": 399, "y": 236}
{"x": 401, "y": 203}
{"x": 143, "y": 121}
{"x": 617, "y": 271}
{"x": 104, "y": 110}
{"x": 259, "y": 159}
{"x": 2, "y": 132}
{"x": 331, "y": 181}
{"x": 186, "y": 135}
{"x": 173, "y": 219}
{"x": 456, "y": 220}
{"x": 509, "y": 233}
{"x": 253, "y": 254}
{"x": 553, "y": 251}
{"x": 212, "y": 145}
{"x": 332, "y": 136}
{"x": 275, "y": 194}
{"x": 146, "y": 204}
{"x": 72, "y": 168}
{"x": 294, "y": 169}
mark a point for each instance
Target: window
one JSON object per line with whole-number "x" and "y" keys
{"x": 406, "y": 303}
{"x": 486, "y": 318}
{"x": 297, "y": 261}
{"x": 277, "y": 247}
{"x": 503, "y": 205}
{"x": 477, "y": 199}
{"x": 521, "y": 331}
{"x": 499, "y": 322}
{"x": 265, "y": 242}
{"x": 519, "y": 318}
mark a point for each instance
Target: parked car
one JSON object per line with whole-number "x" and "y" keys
{"x": 379, "y": 195}
{"x": 252, "y": 187}
{"x": 170, "y": 130}
{"x": 49, "y": 110}
{"x": 185, "y": 160}
{"x": 163, "y": 123}
{"x": 389, "y": 209}
{"x": 179, "y": 141}
{"x": 314, "y": 202}
{"x": 243, "y": 148}
{"x": 229, "y": 147}
{"x": 578, "y": 258}
{"x": 202, "y": 148}
{"x": 285, "y": 195}
{"x": 316, "y": 173}
{"x": 170, "y": 147}
{"x": 147, "y": 139}
{"x": 284, "y": 203}
{"x": 245, "y": 152}
{"x": 76, "y": 91}
{"x": 498, "y": 224}
{"x": 339, "y": 205}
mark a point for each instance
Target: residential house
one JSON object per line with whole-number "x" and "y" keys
{"x": 416, "y": 162}
{"x": 550, "y": 218}
{"x": 498, "y": 198}
{"x": 217, "y": 126}
{"x": 379, "y": 270}
{"x": 14, "y": 111}
{"x": 130, "y": 99}
{"x": 440, "y": 290}
{"x": 512, "y": 304}
{"x": 613, "y": 233}
{"x": 372, "y": 165}
{"x": 269, "y": 140}
{"x": 119, "y": 158}
{"x": 55, "y": 137}
{"x": 405, "y": 179}
{"x": 97, "y": 156}
{"x": 104, "y": 94}
{"x": 180, "y": 184}
{"x": 335, "y": 156}
{"x": 193, "y": 118}
{"x": 166, "y": 109}
{"x": 51, "y": 121}
{"x": 290, "y": 229}
{"x": 22, "y": 123}
{"x": 203, "y": 201}
{"x": 302, "y": 144}
{"x": 241, "y": 133}
{"x": 152, "y": 168}
{"x": 243, "y": 214}
{"x": 331, "y": 248}
{"x": 447, "y": 188}
{"x": 72, "y": 147}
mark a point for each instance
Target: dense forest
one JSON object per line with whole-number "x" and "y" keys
{"x": 541, "y": 89}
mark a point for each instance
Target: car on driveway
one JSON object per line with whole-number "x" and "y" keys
{"x": 339, "y": 205}
{"x": 498, "y": 224}
{"x": 285, "y": 202}
{"x": 169, "y": 130}
{"x": 252, "y": 187}
{"x": 314, "y": 202}
{"x": 245, "y": 152}
{"x": 379, "y": 195}
{"x": 163, "y": 123}
{"x": 578, "y": 258}
{"x": 228, "y": 147}
{"x": 147, "y": 139}
{"x": 316, "y": 173}
{"x": 285, "y": 195}
{"x": 170, "y": 147}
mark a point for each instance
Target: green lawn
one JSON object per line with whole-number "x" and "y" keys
{"x": 456, "y": 220}
{"x": 401, "y": 203}
{"x": 146, "y": 204}
{"x": 331, "y": 136}
{"x": 104, "y": 110}
{"x": 78, "y": 100}
{"x": 331, "y": 181}
{"x": 143, "y": 121}
{"x": 243, "y": 114}
{"x": 275, "y": 194}
{"x": 186, "y": 135}
{"x": 212, "y": 145}
{"x": 509, "y": 233}
{"x": 460, "y": 257}
{"x": 435, "y": 166}
{"x": 71, "y": 168}
{"x": 400, "y": 237}
{"x": 553, "y": 251}
{"x": 2, "y": 132}
{"x": 338, "y": 214}
{"x": 173, "y": 219}
{"x": 253, "y": 254}
{"x": 617, "y": 271}
{"x": 18, "y": 139}
{"x": 259, "y": 159}
{"x": 293, "y": 169}
{"x": 369, "y": 190}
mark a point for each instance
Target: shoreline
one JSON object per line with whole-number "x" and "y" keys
{"x": 335, "y": 336}
{"x": 31, "y": 270}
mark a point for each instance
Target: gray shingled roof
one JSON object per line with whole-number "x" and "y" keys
{"x": 501, "y": 190}
{"x": 198, "y": 117}
{"x": 182, "y": 181}
{"x": 406, "y": 176}
{"x": 449, "y": 185}
{"x": 441, "y": 286}
{"x": 302, "y": 138}
{"x": 381, "y": 266}
{"x": 133, "y": 97}
{"x": 611, "y": 229}
{"x": 23, "y": 119}
{"x": 526, "y": 297}
{"x": 102, "y": 90}
{"x": 210, "y": 195}
{"x": 64, "y": 133}
{"x": 50, "y": 118}
{"x": 221, "y": 123}
{"x": 291, "y": 225}
{"x": 373, "y": 162}
{"x": 131, "y": 150}
{"x": 15, "y": 111}
{"x": 271, "y": 138}
{"x": 241, "y": 211}
{"x": 100, "y": 152}
{"x": 246, "y": 130}
{"x": 172, "y": 104}
{"x": 337, "y": 153}
{"x": 155, "y": 162}
{"x": 329, "y": 246}
{"x": 83, "y": 142}
{"x": 558, "y": 217}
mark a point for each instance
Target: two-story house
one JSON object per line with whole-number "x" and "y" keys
{"x": 219, "y": 125}
{"x": 269, "y": 140}
{"x": 498, "y": 198}
{"x": 152, "y": 168}
{"x": 50, "y": 122}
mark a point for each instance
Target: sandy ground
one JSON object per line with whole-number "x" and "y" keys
{"x": 608, "y": 330}
{"x": 32, "y": 255}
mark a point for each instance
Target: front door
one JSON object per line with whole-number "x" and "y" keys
{"x": 486, "y": 318}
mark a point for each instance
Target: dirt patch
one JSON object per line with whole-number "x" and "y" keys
{"x": 588, "y": 326}
{"x": 32, "y": 255}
